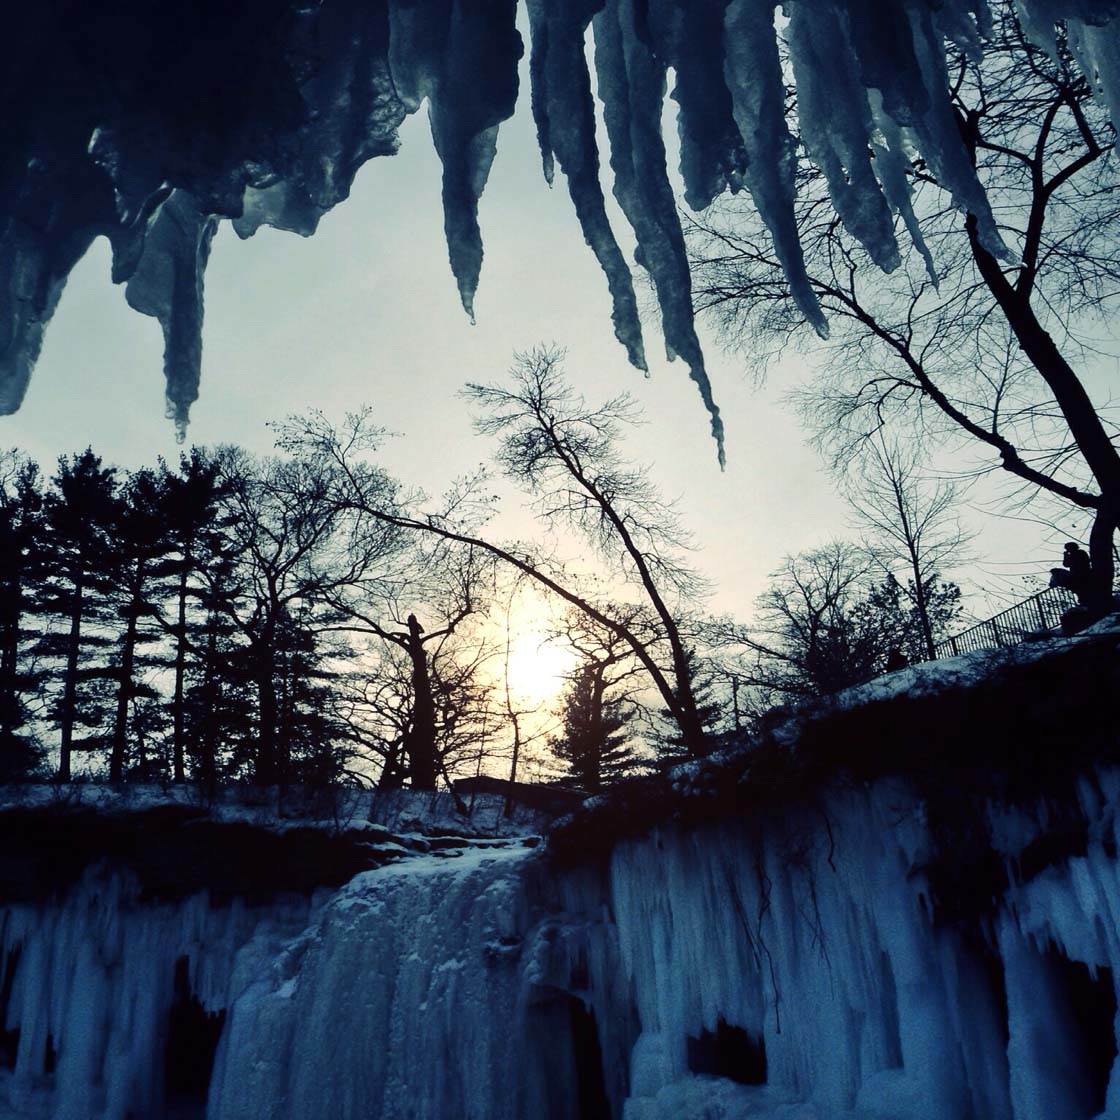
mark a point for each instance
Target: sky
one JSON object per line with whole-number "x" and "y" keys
{"x": 367, "y": 311}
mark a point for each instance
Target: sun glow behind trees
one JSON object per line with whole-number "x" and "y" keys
{"x": 538, "y": 668}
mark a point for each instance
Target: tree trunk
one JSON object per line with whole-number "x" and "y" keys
{"x": 208, "y": 759}
{"x": 390, "y": 777}
{"x": 514, "y": 760}
{"x": 420, "y": 743}
{"x": 178, "y": 771}
{"x": 1077, "y": 409}
{"x": 124, "y": 687}
{"x": 9, "y": 662}
{"x": 267, "y": 772}
{"x": 70, "y": 679}
{"x": 921, "y": 605}
{"x": 1102, "y": 559}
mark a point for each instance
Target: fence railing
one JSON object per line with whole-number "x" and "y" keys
{"x": 1040, "y": 614}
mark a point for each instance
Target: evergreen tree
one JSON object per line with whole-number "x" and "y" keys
{"x": 140, "y": 542}
{"x": 593, "y": 744}
{"x": 670, "y": 743}
{"x": 21, "y": 529}
{"x": 195, "y": 533}
{"x": 219, "y": 700}
{"x": 80, "y": 512}
{"x": 309, "y": 729}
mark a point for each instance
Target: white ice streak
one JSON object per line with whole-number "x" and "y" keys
{"x": 402, "y": 1001}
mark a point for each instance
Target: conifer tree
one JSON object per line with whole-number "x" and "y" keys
{"x": 80, "y": 510}
{"x": 21, "y": 529}
{"x": 670, "y": 743}
{"x": 593, "y": 743}
{"x": 140, "y": 542}
{"x": 190, "y": 506}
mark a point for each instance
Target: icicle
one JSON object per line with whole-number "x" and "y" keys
{"x": 353, "y": 111}
{"x": 835, "y": 127}
{"x": 44, "y": 235}
{"x": 689, "y": 37}
{"x": 891, "y": 166}
{"x": 940, "y": 139}
{"x": 476, "y": 88}
{"x": 632, "y": 89}
{"x": 565, "y": 115}
{"x": 758, "y": 94}
{"x": 274, "y": 128}
{"x": 167, "y": 284}
{"x": 1097, "y": 50}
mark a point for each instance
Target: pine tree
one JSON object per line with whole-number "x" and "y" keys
{"x": 195, "y": 531}
{"x": 80, "y": 511}
{"x": 219, "y": 700}
{"x": 140, "y": 542}
{"x": 309, "y": 732}
{"x": 671, "y": 744}
{"x": 593, "y": 744}
{"x": 21, "y": 530}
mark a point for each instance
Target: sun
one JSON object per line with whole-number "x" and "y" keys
{"x": 538, "y": 668}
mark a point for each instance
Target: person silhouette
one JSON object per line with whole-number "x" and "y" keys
{"x": 1075, "y": 574}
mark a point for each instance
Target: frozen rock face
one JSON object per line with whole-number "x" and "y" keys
{"x": 815, "y": 963}
{"x": 112, "y": 1006}
{"x": 150, "y": 123}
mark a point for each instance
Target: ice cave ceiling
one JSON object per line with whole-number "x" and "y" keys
{"x": 150, "y": 123}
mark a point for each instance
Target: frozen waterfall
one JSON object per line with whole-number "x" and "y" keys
{"x": 800, "y": 965}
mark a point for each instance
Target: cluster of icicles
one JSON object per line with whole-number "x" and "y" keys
{"x": 151, "y": 125}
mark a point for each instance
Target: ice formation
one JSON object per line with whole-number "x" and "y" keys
{"x": 796, "y": 966}
{"x": 149, "y": 124}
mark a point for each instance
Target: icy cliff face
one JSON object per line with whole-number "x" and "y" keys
{"x": 808, "y": 966}
{"x": 151, "y": 123}
{"x": 111, "y": 1006}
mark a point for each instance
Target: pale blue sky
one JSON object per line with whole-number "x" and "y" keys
{"x": 367, "y": 311}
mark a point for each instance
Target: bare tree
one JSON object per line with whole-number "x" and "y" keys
{"x": 815, "y": 634}
{"x": 989, "y": 353}
{"x": 448, "y": 586}
{"x": 911, "y": 524}
{"x": 565, "y": 453}
{"x": 379, "y": 709}
{"x": 293, "y": 553}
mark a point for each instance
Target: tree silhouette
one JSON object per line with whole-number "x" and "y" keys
{"x": 80, "y": 511}
{"x": 992, "y": 356}
{"x": 21, "y": 558}
{"x": 593, "y": 744}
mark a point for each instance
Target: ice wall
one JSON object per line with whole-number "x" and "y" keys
{"x": 90, "y": 986}
{"x": 150, "y": 123}
{"x": 815, "y": 945}
{"x": 825, "y": 961}
{"x": 403, "y": 1000}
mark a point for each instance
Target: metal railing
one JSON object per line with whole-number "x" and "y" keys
{"x": 1040, "y": 614}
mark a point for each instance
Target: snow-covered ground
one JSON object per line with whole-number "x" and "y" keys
{"x": 344, "y": 810}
